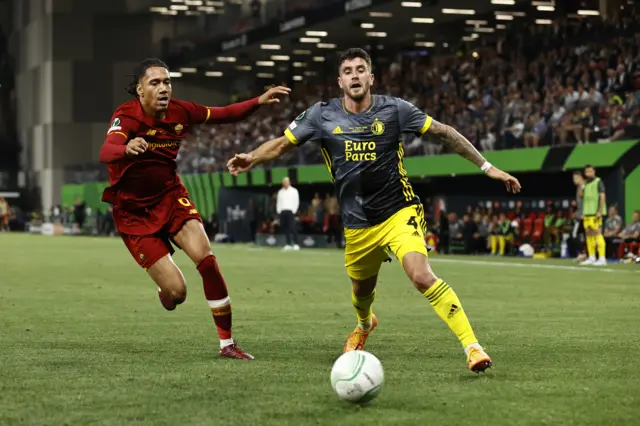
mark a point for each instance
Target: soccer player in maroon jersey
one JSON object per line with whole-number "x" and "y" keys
{"x": 151, "y": 207}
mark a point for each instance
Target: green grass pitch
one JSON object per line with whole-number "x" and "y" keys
{"x": 84, "y": 341}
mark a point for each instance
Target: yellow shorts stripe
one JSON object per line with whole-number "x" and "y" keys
{"x": 291, "y": 137}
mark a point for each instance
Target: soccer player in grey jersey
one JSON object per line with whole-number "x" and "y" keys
{"x": 359, "y": 136}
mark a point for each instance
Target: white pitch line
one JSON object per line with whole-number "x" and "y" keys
{"x": 316, "y": 252}
{"x": 530, "y": 265}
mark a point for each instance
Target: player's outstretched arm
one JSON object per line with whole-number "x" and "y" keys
{"x": 266, "y": 152}
{"x": 241, "y": 110}
{"x": 459, "y": 144}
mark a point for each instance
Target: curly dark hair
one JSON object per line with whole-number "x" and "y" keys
{"x": 139, "y": 72}
{"x": 352, "y": 53}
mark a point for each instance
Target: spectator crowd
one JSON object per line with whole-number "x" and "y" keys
{"x": 575, "y": 81}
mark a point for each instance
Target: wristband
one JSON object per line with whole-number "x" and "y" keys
{"x": 485, "y": 166}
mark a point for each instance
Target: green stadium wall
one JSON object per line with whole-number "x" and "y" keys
{"x": 203, "y": 188}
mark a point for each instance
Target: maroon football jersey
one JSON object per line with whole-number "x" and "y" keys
{"x": 141, "y": 181}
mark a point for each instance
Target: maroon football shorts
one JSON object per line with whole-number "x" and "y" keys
{"x": 148, "y": 249}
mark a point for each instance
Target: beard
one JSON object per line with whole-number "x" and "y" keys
{"x": 358, "y": 93}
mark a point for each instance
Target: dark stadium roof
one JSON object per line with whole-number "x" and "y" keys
{"x": 315, "y": 36}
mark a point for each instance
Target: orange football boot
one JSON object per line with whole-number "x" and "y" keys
{"x": 358, "y": 337}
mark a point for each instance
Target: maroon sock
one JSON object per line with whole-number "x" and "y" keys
{"x": 215, "y": 290}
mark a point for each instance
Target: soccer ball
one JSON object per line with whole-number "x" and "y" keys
{"x": 357, "y": 377}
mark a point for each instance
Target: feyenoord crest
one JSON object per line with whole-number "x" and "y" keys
{"x": 377, "y": 127}
{"x": 179, "y": 128}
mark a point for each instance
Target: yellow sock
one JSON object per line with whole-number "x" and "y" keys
{"x": 494, "y": 244}
{"x": 363, "y": 308}
{"x": 448, "y": 307}
{"x": 602, "y": 246}
{"x": 591, "y": 246}
{"x": 502, "y": 244}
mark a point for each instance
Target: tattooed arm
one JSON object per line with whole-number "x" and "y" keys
{"x": 460, "y": 145}
{"x": 454, "y": 140}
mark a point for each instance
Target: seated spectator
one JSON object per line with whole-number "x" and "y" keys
{"x": 629, "y": 238}
{"x": 612, "y": 228}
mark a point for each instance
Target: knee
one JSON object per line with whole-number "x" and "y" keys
{"x": 423, "y": 280}
{"x": 178, "y": 294}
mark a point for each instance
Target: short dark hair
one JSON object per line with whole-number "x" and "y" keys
{"x": 588, "y": 166}
{"x": 139, "y": 72}
{"x": 353, "y": 53}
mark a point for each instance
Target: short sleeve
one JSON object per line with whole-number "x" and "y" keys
{"x": 122, "y": 124}
{"x": 306, "y": 127}
{"x": 198, "y": 114}
{"x": 411, "y": 119}
{"x": 601, "y": 186}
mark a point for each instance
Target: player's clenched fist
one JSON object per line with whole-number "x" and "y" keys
{"x": 136, "y": 146}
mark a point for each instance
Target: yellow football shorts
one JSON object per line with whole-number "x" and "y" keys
{"x": 367, "y": 248}
{"x": 592, "y": 222}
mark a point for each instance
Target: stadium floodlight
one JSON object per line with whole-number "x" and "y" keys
{"x": 310, "y": 73}
{"x": 326, "y": 46}
{"x": 425, "y": 44}
{"x": 509, "y": 12}
{"x": 319, "y": 59}
{"x": 158, "y": 9}
{"x": 484, "y": 30}
{"x": 265, "y": 75}
{"x": 588, "y": 12}
{"x": 504, "y": 17}
{"x": 543, "y": 21}
{"x": 546, "y": 8}
{"x": 301, "y": 52}
{"x": 411, "y": 4}
{"x": 177, "y": 1}
{"x": 317, "y": 33}
{"x": 367, "y": 25}
{"x": 475, "y": 35}
{"x": 297, "y": 78}
{"x": 215, "y": 3}
{"x": 381, "y": 14}
{"x": 270, "y": 46}
{"x": 543, "y": 3}
{"x": 208, "y": 9}
{"x": 213, "y": 73}
{"x": 174, "y": 74}
{"x": 467, "y": 38}
{"x": 376, "y": 34}
{"x": 505, "y": 2}
{"x": 501, "y": 27}
{"x": 299, "y": 64}
{"x": 309, "y": 40}
{"x": 265, "y": 63}
{"x": 244, "y": 67}
{"x": 422, "y": 20}
{"x": 476, "y": 22}
{"x": 194, "y": 2}
{"x": 178, "y": 7}
{"x": 170, "y": 12}
{"x": 280, "y": 57}
{"x": 458, "y": 11}
{"x": 188, "y": 70}
{"x": 226, "y": 59}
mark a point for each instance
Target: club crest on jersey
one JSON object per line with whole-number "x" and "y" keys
{"x": 151, "y": 132}
{"x": 301, "y": 116}
{"x": 179, "y": 128}
{"x": 377, "y": 127}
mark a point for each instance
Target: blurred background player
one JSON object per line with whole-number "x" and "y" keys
{"x": 151, "y": 207}
{"x": 594, "y": 207}
{"x": 359, "y": 135}
{"x": 4, "y": 215}
{"x": 287, "y": 204}
{"x": 578, "y": 231}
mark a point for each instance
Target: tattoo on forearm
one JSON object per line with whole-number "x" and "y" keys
{"x": 456, "y": 142}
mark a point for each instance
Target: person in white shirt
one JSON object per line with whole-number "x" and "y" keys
{"x": 287, "y": 205}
